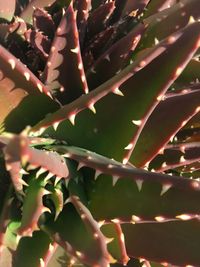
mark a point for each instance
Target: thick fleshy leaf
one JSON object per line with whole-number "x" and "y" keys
{"x": 32, "y": 207}
{"x": 159, "y": 128}
{"x": 164, "y": 23}
{"x": 20, "y": 90}
{"x": 139, "y": 189}
{"x": 99, "y": 18}
{"x": 27, "y": 13}
{"x": 31, "y": 250}
{"x": 158, "y": 5}
{"x": 43, "y": 22}
{"x": 114, "y": 59}
{"x": 139, "y": 199}
{"x": 67, "y": 80}
{"x": 190, "y": 75}
{"x": 174, "y": 156}
{"x": 116, "y": 244}
{"x": 130, "y": 112}
{"x": 173, "y": 242}
{"x": 66, "y": 231}
{"x": 18, "y": 153}
{"x": 7, "y": 9}
{"x": 83, "y": 8}
{"x": 39, "y": 42}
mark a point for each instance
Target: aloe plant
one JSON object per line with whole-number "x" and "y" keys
{"x": 100, "y": 133}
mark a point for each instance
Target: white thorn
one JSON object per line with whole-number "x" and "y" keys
{"x": 42, "y": 263}
{"x": 92, "y": 108}
{"x": 72, "y": 118}
{"x": 23, "y": 182}
{"x": 182, "y": 149}
{"x": 139, "y": 184}
{"x": 97, "y": 173}
{"x": 115, "y": 220}
{"x": 164, "y": 165}
{"x": 161, "y": 151}
{"x": 184, "y": 217}
{"x": 115, "y": 179}
{"x": 156, "y": 41}
{"x": 137, "y": 122}
{"x": 75, "y": 50}
{"x": 27, "y": 75}
{"x": 39, "y": 86}
{"x": 165, "y": 188}
{"x": 80, "y": 165}
{"x": 107, "y": 57}
{"x": 191, "y": 20}
{"x": 135, "y": 218}
{"x": 49, "y": 176}
{"x": 67, "y": 155}
{"x": 182, "y": 159}
{"x": 129, "y": 146}
{"x": 41, "y": 170}
{"x": 117, "y": 92}
{"x": 57, "y": 180}
{"x": 178, "y": 71}
{"x": 159, "y": 219}
{"x": 12, "y": 63}
{"x": 125, "y": 160}
{"x": 55, "y": 125}
{"x": 101, "y": 223}
{"x": 108, "y": 240}
{"x": 22, "y": 171}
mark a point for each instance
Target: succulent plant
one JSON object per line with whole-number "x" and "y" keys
{"x": 100, "y": 133}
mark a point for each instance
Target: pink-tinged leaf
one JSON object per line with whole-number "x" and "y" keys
{"x": 7, "y": 9}
{"x": 163, "y": 24}
{"x": 177, "y": 156}
{"x": 69, "y": 111}
{"x": 99, "y": 18}
{"x": 27, "y": 13}
{"x": 135, "y": 106}
{"x": 115, "y": 58}
{"x": 68, "y": 228}
{"x": 18, "y": 26}
{"x": 136, "y": 186}
{"x": 43, "y": 22}
{"x": 98, "y": 43}
{"x": 190, "y": 170}
{"x": 39, "y": 42}
{"x": 20, "y": 88}
{"x": 92, "y": 227}
{"x": 83, "y": 8}
{"x": 116, "y": 244}
{"x": 66, "y": 79}
{"x": 148, "y": 206}
{"x": 166, "y": 120}
{"x": 18, "y": 153}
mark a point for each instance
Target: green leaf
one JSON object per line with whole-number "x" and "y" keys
{"x": 31, "y": 250}
{"x": 173, "y": 242}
